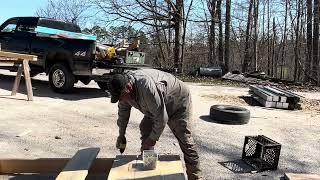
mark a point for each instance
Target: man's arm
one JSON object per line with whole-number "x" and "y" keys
{"x": 124, "y": 110}
{"x": 154, "y": 100}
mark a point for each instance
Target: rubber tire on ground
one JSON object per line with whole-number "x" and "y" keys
{"x": 69, "y": 78}
{"x": 226, "y": 114}
{"x": 102, "y": 85}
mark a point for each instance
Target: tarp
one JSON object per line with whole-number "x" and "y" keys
{"x": 66, "y": 34}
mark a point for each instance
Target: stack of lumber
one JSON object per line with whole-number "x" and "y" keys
{"x": 85, "y": 165}
{"x": 274, "y": 97}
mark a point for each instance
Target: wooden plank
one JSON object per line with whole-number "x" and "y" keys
{"x": 17, "y": 81}
{"x": 295, "y": 176}
{"x": 264, "y": 103}
{"x": 27, "y": 78}
{"x": 283, "y": 97}
{"x": 78, "y": 167}
{"x": 285, "y": 105}
{"x": 261, "y": 94}
{"x": 17, "y": 56}
{"x": 7, "y": 63}
{"x": 129, "y": 167}
{"x": 49, "y": 165}
{"x": 281, "y": 105}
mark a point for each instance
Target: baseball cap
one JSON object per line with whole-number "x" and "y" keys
{"x": 116, "y": 85}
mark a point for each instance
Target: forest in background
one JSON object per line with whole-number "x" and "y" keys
{"x": 278, "y": 37}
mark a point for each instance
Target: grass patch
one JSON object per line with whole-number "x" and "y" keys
{"x": 210, "y": 81}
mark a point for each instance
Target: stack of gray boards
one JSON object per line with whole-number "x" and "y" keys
{"x": 274, "y": 97}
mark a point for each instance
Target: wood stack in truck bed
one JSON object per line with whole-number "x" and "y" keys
{"x": 271, "y": 96}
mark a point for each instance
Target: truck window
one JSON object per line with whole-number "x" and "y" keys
{"x": 27, "y": 24}
{"x": 10, "y": 26}
{"x": 59, "y": 25}
{"x": 27, "y": 28}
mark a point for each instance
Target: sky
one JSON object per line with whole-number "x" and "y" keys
{"x": 13, "y": 8}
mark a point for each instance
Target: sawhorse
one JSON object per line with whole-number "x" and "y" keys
{"x": 23, "y": 61}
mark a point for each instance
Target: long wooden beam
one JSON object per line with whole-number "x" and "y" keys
{"x": 78, "y": 167}
{"x": 296, "y": 176}
{"x": 8, "y": 56}
{"x": 49, "y": 165}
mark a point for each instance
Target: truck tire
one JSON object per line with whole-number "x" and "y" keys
{"x": 102, "y": 85}
{"x": 226, "y": 114}
{"x": 61, "y": 78}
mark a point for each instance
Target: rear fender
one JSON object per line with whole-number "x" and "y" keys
{"x": 58, "y": 57}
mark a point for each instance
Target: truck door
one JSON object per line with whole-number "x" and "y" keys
{"x": 7, "y": 31}
{"x": 16, "y": 37}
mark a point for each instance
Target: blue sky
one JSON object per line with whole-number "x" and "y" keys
{"x": 12, "y": 8}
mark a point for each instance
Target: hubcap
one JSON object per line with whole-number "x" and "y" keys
{"x": 58, "y": 78}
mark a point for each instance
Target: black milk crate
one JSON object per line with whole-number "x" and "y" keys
{"x": 261, "y": 152}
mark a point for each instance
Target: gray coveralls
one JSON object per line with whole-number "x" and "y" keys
{"x": 163, "y": 99}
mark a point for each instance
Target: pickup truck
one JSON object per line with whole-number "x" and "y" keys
{"x": 64, "y": 53}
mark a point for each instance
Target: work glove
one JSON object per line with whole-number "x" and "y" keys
{"x": 120, "y": 141}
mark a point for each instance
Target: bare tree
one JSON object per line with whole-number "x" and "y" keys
{"x": 269, "y": 47}
{"x": 315, "y": 63}
{"x": 284, "y": 43}
{"x": 274, "y": 36}
{"x": 309, "y": 41}
{"x": 212, "y": 34}
{"x": 220, "y": 46}
{"x": 227, "y": 35}
{"x": 145, "y": 12}
{"x": 73, "y": 11}
{"x": 246, "y": 51}
{"x": 256, "y": 26}
{"x": 296, "y": 48}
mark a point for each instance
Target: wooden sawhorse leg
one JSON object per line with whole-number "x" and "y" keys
{"x": 25, "y": 68}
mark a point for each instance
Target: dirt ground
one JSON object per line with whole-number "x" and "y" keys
{"x": 58, "y": 125}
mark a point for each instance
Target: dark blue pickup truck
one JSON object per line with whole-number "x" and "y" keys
{"x": 64, "y": 53}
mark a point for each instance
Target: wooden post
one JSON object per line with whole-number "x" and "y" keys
{"x": 27, "y": 78}
{"x": 17, "y": 81}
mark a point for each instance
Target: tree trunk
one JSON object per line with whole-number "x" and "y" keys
{"x": 227, "y": 35}
{"x": 296, "y": 48}
{"x": 212, "y": 34}
{"x": 315, "y": 62}
{"x": 178, "y": 58}
{"x": 284, "y": 40}
{"x": 273, "y": 47}
{"x": 255, "y": 42}
{"x": 246, "y": 50}
{"x": 220, "y": 48}
{"x": 269, "y": 48}
{"x": 309, "y": 41}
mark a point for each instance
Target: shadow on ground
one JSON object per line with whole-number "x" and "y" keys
{"x": 249, "y": 100}
{"x": 207, "y": 118}
{"x": 237, "y": 166}
{"x": 42, "y": 89}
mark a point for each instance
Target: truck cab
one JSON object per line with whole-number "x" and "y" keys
{"x": 66, "y": 54}
{"x": 63, "y": 52}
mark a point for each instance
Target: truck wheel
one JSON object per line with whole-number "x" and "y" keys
{"x": 103, "y": 85}
{"x": 61, "y": 78}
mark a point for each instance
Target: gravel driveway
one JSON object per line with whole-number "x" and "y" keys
{"x": 86, "y": 118}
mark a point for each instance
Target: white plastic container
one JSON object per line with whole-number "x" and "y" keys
{"x": 150, "y": 159}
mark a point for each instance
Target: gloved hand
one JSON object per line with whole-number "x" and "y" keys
{"x": 147, "y": 144}
{"x": 120, "y": 141}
